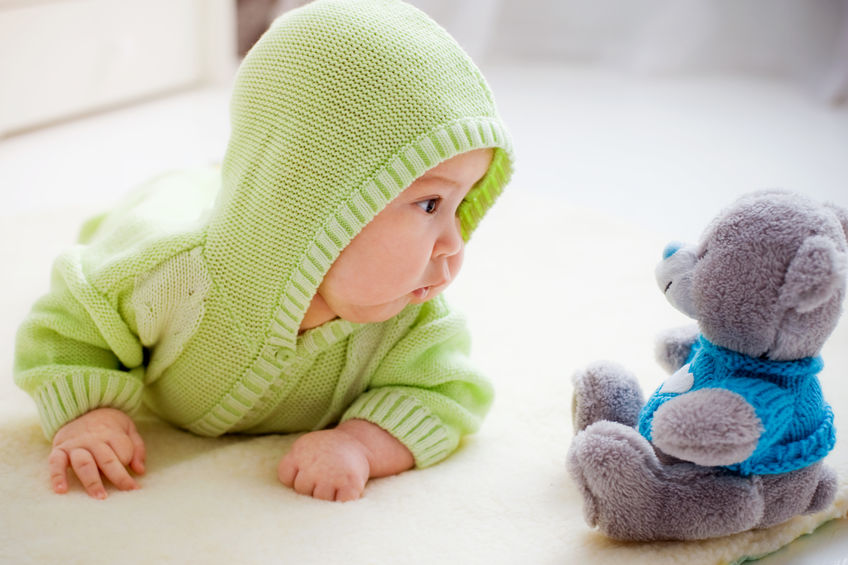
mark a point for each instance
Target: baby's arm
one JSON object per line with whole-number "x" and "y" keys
{"x": 336, "y": 464}
{"x": 103, "y": 440}
{"x": 422, "y": 398}
{"x": 77, "y": 356}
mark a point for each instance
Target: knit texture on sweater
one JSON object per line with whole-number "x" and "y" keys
{"x": 797, "y": 423}
{"x": 190, "y": 294}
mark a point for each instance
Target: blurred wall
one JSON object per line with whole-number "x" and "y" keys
{"x": 801, "y": 40}
{"x": 63, "y": 58}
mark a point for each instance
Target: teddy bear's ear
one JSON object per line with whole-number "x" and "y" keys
{"x": 816, "y": 272}
{"x": 841, "y": 215}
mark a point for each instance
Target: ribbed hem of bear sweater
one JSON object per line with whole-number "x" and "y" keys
{"x": 408, "y": 420}
{"x": 77, "y": 390}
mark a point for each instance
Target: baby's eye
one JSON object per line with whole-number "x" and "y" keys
{"x": 430, "y": 205}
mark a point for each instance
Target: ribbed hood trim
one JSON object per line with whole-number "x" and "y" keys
{"x": 412, "y": 162}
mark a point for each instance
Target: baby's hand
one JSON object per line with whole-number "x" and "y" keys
{"x": 328, "y": 464}
{"x": 335, "y": 464}
{"x": 103, "y": 440}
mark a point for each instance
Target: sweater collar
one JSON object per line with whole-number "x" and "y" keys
{"x": 735, "y": 361}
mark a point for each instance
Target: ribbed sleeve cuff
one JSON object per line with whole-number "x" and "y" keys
{"x": 408, "y": 420}
{"x": 73, "y": 393}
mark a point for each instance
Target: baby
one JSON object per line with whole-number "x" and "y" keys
{"x": 296, "y": 289}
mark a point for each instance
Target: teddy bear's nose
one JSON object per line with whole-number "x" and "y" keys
{"x": 671, "y": 249}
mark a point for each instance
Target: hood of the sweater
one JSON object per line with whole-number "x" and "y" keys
{"x": 337, "y": 108}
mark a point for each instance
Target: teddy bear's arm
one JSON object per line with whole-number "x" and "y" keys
{"x": 674, "y": 346}
{"x": 709, "y": 427}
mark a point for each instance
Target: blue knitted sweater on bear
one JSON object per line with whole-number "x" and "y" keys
{"x": 797, "y": 423}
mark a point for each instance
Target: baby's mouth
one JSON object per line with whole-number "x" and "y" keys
{"x": 421, "y": 293}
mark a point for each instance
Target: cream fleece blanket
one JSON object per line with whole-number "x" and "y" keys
{"x": 547, "y": 288}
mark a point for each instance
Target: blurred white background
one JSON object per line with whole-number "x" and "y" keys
{"x": 658, "y": 111}
{"x": 655, "y": 112}
{"x": 804, "y": 40}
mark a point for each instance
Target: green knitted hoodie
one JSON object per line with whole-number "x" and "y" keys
{"x": 189, "y": 295}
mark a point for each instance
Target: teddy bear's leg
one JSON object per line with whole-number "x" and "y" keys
{"x": 605, "y": 391}
{"x": 630, "y": 495}
{"x": 804, "y": 491}
{"x": 825, "y": 491}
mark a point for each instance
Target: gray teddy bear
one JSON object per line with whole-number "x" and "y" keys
{"x": 735, "y": 438}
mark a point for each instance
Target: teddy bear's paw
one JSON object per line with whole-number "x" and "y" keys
{"x": 617, "y": 473}
{"x": 605, "y": 391}
{"x": 708, "y": 427}
{"x": 674, "y": 346}
{"x": 575, "y": 465}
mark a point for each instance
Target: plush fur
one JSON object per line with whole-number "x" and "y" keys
{"x": 766, "y": 282}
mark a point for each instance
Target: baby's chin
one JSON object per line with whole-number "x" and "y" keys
{"x": 374, "y": 314}
{"x": 383, "y": 312}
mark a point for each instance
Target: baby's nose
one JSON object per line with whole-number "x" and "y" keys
{"x": 450, "y": 242}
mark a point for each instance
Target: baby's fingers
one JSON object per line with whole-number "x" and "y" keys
{"x": 291, "y": 475}
{"x": 112, "y": 467}
{"x": 87, "y": 472}
{"x": 140, "y": 453}
{"x": 287, "y": 471}
{"x": 324, "y": 491}
{"x": 58, "y": 463}
{"x": 129, "y": 448}
{"x": 304, "y": 483}
{"x": 348, "y": 493}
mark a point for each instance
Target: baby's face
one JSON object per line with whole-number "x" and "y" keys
{"x": 409, "y": 252}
